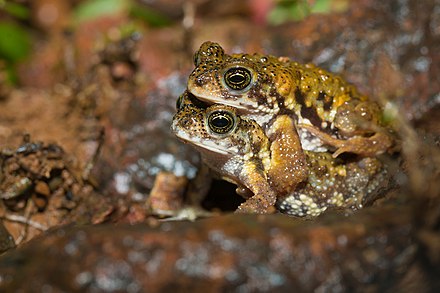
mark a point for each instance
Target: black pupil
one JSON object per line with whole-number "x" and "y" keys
{"x": 220, "y": 121}
{"x": 237, "y": 78}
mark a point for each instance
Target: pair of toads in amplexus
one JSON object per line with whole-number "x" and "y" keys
{"x": 293, "y": 137}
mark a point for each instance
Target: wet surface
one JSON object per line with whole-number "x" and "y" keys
{"x": 222, "y": 253}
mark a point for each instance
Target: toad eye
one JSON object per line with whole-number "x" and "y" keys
{"x": 237, "y": 78}
{"x": 221, "y": 122}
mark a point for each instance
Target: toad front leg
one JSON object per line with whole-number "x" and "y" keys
{"x": 253, "y": 177}
{"x": 288, "y": 165}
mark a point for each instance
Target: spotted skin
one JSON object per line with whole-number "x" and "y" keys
{"x": 333, "y": 183}
{"x": 320, "y": 104}
{"x": 243, "y": 157}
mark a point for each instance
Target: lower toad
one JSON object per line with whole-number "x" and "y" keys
{"x": 239, "y": 151}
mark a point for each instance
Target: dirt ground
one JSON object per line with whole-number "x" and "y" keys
{"x": 85, "y": 140}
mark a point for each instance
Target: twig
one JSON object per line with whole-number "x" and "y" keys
{"x": 24, "y": 220}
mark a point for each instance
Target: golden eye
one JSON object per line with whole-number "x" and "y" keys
{"x": 237, "y": 78}
{"x": 221, "y": 122}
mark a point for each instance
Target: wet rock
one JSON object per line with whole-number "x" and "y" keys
{"x": 168, "y": 192}
{"x": 374, "y": 250}
{"x": 6, "y": 239}
{"x": 147, "y": 147}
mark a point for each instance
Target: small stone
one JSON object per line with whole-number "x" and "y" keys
{"x": 168, "y": 192}
{"x": 42, "y": 188}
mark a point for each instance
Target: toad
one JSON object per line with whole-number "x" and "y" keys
{"x": 238, "y": 150}
{"x": 292, "y": 102}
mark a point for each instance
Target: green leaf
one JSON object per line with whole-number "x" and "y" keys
{"x": 299, "y": 11}
{"x": 15, "y": 42}
{"x": 17, "y": 10}
{"x": 11, "y": 74}
{"x": 291, "y": 10}
{"x": 92, "y": 9}
{"x": 278, "y": 15}
{"x": 150, "y": 16}
{"x": 322, "y": 6}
